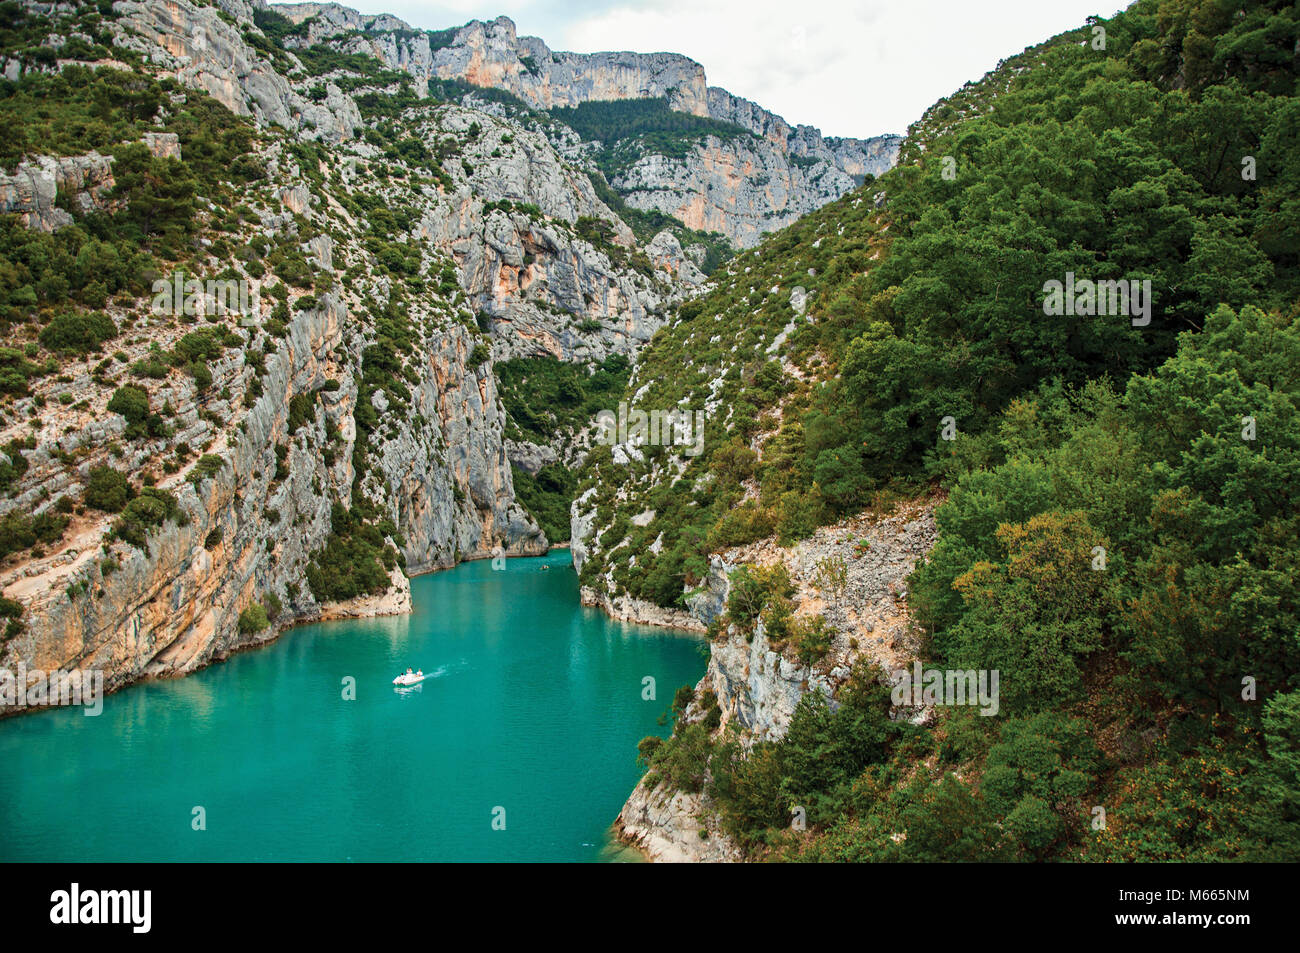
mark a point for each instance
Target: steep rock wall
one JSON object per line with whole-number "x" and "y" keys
{"x": 758, "y": 687}
{"x": 437, "y": 462}
{"x": 744, "y": 188}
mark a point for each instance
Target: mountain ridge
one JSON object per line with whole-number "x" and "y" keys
{"x": 491, "y": 54}
{"x": 177, "y": 484}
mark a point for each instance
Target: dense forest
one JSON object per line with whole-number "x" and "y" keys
{"x": 1159, "y": 684}
{"x": 628, "y": 129}
{"x": 615, "y": 120}
{"x": 543, "y": 397}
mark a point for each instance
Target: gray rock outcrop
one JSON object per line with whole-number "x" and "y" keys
{"x": 757, "y": 685}
{"x": 742, "y": 188}
{"x": 32, "y": 191}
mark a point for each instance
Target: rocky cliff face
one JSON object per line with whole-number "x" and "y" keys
{"x": 174, "y": 605}
{"x": 493, "y": 256}
{"x": 505, "y": 251}
{"x": 757, "y": 686}
{"x": 202, "y": 46}
{"x": 85, "y": 183}
{"x": 493, "y": 54}
{"x": 674, "y": 827}
{"x": 33, "y": 189}
{"x": 743, "y": 188}
{"x": 510, "y": 226}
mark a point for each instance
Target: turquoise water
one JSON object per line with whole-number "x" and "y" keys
{"x": 535, "y": 707}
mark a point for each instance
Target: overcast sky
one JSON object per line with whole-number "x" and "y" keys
{"x": 849, "y": 67}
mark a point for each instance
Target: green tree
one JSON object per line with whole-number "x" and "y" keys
{"x": 107, "y": 490}
{"x": 131, "y": 402}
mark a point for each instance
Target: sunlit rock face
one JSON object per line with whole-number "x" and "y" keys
{"x": 509, "y": 267}
{"x": 742, "y": 188}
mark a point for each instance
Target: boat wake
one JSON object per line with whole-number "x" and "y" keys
{"x": 414, "y": 681}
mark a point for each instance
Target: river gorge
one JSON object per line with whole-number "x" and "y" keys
{"x": 521, "y": 746}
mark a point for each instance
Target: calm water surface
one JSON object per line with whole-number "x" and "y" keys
{"x": 535, "y": 706}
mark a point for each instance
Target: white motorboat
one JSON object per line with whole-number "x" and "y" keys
{"x": 410, "y": 678}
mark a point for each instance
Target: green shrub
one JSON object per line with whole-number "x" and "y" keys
{"x": 208, "y": 465}
{"x": 12, "y": 612}
{"x": 301, "y": 411}
{"x": 683, "y": 760}
{"x": 354, "y": 561}
{"x": 543, "y": 395}
{"x": 21, "y": 531}
{"x": 647, "y": 747}
{"x": 752, "y": 588}
{"x": 78, "y": 333}
{"x": 144, "y": 514}
{"x": 152, "y": 366}
{"x": 811, "y": 638}
{"x": 107, "y": 490}
{"x": 253, "y": 620}
{"x": 17, "y": 464}
{"x": 273, "y": 605}
{"x": 131, "y": 402}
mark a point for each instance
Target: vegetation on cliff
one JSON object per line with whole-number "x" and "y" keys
{"x": 628, "y": 129}
{"x": 352, "y": 394}
{"x": 1120, "y": 535}
{"x": 543, "y": 398}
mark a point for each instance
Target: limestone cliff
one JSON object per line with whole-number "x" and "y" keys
{"x": 743, "y": 188}
{"x": 202, "y": 46}
{"x": 510, "y": 226}
{"x": 757, "y": 686}
{"x": 361, "y": 380}
{"x": 174, "y": 605}
{"x": 32, "y": 190}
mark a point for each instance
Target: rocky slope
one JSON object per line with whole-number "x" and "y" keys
{"x": 203, "y": 46}
{"x": 395, "y": 253}
{"x": 30, "y": 192}
{"x": 673, "y": 827}
{"x": 657, "y": 533}
{"x": 742, "y": 188}
{"x": 478, "y": 246}
{"x": 757, "y": 685}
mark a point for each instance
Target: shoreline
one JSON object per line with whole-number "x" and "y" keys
{"x": 622, "y": 845}
{"x": 640, "y": 612}
{"x": 356, "y": 610}
{"x": 352, "y": 610}
{"x": 634, "y": 612}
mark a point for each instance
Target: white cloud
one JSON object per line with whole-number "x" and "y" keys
{"x": 850, "y": 67}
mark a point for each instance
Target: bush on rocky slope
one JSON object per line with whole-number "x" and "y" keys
{"x": 1120, "y": 536}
